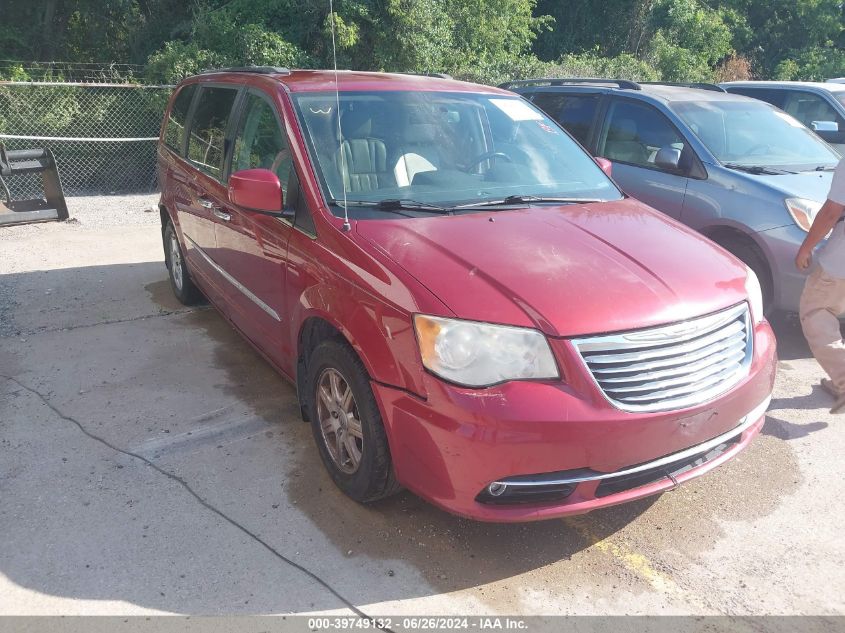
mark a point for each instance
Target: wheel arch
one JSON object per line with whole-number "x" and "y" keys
{"x": 732, "y": 240}
{"x": 164, "y": 216}
{"x": 314, "y": 329}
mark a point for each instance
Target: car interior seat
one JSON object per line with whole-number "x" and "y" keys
{"x": 362, "y": 159}
{"x": 419, "y": 153}
{"x": 623, "y": 143}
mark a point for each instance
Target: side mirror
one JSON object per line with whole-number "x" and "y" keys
{"x": 605, "y": 164}
{"x": 256, "y": 190}
{"x": 825, "y": 126}
{"x": 828, "y": 131}
{"x": 668, "y": 158}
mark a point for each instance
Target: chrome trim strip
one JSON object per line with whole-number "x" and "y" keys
{"x": 246, "y": 291}
{"x": 673, "y": 333}
{"x": 746, "y": 422}
{"x": 719, "y": 338}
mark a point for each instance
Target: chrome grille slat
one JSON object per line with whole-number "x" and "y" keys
{"x": 674, "y": 366}
{"x": 739, "y": 344}
{"x": 679, "y": 380}
{"x": 685, "y": 390}
{"x": 678, "y": 370}
{"x": 732, "y": 330}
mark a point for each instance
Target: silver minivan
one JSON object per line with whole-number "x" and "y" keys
{"x": 819, "y": 106}
{"x": 742, "y": 172}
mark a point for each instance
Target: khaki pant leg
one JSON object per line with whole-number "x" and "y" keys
{"x": 822, "y": 301}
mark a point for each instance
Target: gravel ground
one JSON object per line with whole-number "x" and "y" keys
{"x": 86, "y": 212}
{"x": 95, "y": 212}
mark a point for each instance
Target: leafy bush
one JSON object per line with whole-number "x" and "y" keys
{"x": 815, "y": 64}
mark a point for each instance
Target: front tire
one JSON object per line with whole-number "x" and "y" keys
{"x": 752, "y": 258}
{"x": 180, "y": 280}
{"x": 347, "y": 424}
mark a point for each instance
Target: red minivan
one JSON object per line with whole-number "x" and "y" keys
{"x": 467, "y": 304}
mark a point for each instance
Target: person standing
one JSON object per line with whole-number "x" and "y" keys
{"x": 823, "y": 299}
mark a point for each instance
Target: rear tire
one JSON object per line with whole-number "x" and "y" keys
{"x": 180, "y": 279}
{"x": 347, "y": 424}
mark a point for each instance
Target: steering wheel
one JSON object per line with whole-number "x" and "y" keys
{"x": 761, "y": 148}
{"x": 475, "y": 162}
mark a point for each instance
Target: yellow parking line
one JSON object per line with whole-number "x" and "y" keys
{"x": 633, "y": 561}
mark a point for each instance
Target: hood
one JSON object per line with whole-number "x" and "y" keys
{"x": 568, "y": 271}
{"x": 812, "y": 185}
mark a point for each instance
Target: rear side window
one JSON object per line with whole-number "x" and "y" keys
{"x": 206, "y": 143}
{"x": 174, "y": 131}
{"x": 574, "y": 113}
{"x": 769, "y": 95}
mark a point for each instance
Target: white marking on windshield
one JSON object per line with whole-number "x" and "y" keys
{"x": 517, "y": 110}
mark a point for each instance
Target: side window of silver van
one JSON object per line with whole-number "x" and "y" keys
{"x": 809, "y": 108}
{"x": 574, "y": 113}
{"x": 635, "y": 133}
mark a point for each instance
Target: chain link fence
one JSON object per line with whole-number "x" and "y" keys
{"x": 103, "y": 135}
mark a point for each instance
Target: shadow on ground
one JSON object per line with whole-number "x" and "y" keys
{"x": 95, "y": 524}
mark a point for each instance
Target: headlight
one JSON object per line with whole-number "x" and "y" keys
{"x": 478, "y": 354}
{"x": 803, "y": 211}
{"x": 755, "y": 295}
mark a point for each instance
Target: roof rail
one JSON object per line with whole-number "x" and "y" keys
{"x": 624, "y": 84}
{"x": 438, "y": 75}
{"x": 259, "y": 70}
{"x": 701, "y": 85}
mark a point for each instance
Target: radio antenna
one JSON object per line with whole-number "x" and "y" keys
{"x": 343, "y": 169}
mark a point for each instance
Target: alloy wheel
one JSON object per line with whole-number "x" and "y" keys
{"x": 176, "y": 262}
{"x": 339, "y": 419}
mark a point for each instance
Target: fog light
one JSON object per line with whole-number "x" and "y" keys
{"x": 496, "y": 489}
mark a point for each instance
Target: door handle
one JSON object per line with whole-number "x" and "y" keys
{"x": 222, "y": 214}
{"x": 205, "y": 203}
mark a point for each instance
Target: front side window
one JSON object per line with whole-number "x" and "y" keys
{"x": 206, "y": 143}
{"x": 635, "y": 133}
{"x": 260, "y": 141}
{"x": 754, "y": 134}
{"x": 575, "y": 113}
{"x": 174, "y": 130}
{"x": 442, "y": 148}
{"x": 810, "y": 108}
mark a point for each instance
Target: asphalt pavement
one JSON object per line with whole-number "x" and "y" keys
{"x": 152, "y": 462}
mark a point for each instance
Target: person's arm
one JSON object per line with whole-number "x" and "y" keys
{"x": 824, "y": 221}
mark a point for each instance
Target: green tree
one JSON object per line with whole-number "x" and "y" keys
{"x": 688, "y": 39}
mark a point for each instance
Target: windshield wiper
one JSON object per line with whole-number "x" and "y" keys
{"x": 525, "y": 199}
{"x": 758, "y": 169}
{"x": 394, "y": 205}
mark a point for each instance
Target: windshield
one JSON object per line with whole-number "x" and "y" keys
{"x": 443, "y": 149}
{"x": 753, "y": 133}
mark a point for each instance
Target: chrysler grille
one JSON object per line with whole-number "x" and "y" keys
{"x": 674, "y": 366}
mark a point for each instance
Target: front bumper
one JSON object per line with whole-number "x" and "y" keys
{"x": 453, "y": 445}
{"x": 780, "y": 246}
